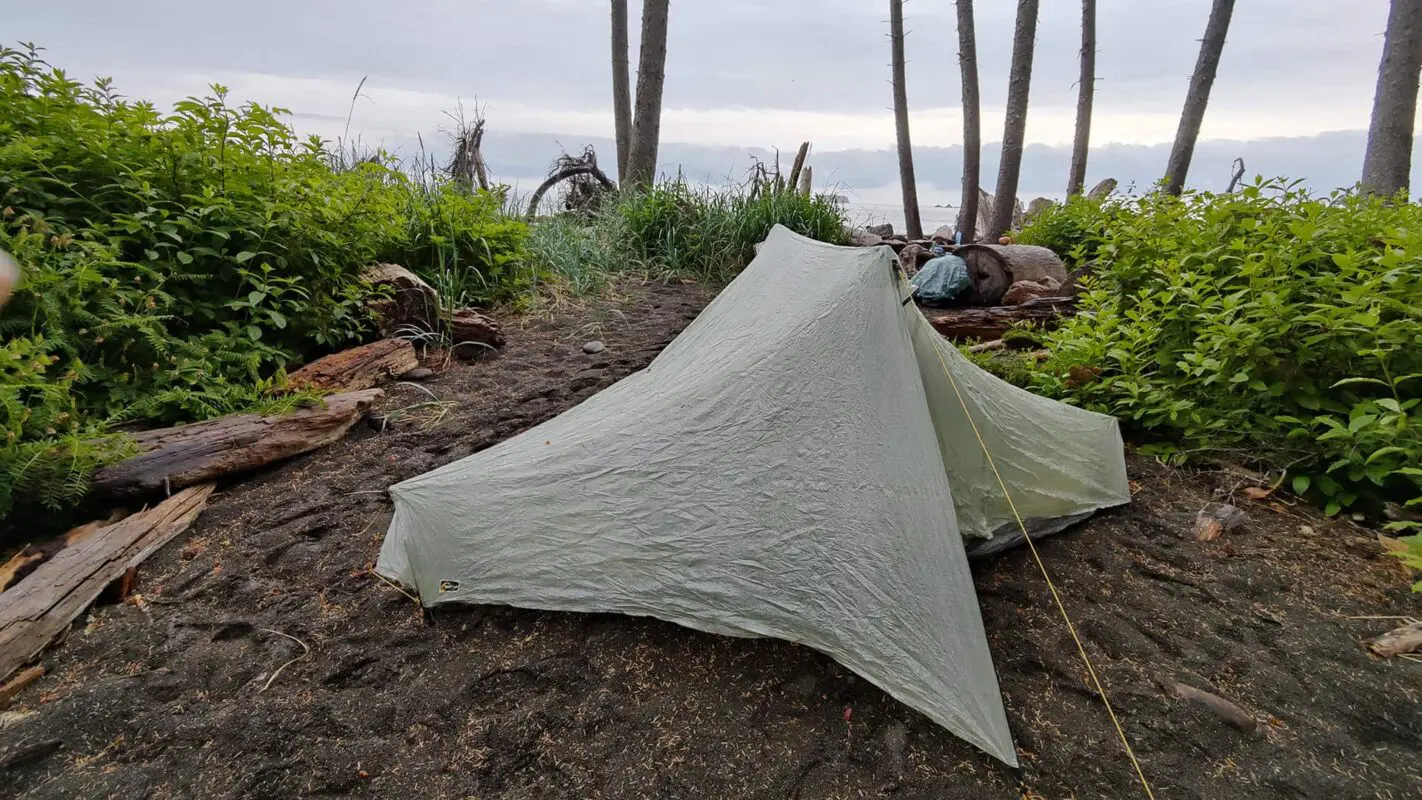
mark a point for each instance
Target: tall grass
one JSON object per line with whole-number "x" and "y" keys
{"x": 674, "y": 230}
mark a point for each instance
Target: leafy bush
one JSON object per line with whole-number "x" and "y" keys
{"x": 1268, "y": 323}
{"x": 1075, "y": 230}
{"x": 176, "y": 263}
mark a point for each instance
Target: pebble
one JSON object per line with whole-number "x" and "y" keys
{"x": 594, "y": 347}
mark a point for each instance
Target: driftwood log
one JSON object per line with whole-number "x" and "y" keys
{"x": 468, "y": 329}
{"x": 175, "y": 458}
{"x": 991, "y": 323}
{"x": 563, "y": 175}
{"x": 1407, "y": 639}
{"x": 43, "y": 604}
{"x": 410, "y": 303}
{"x": 358, "y": 368}
{"x": 993, "y": 268}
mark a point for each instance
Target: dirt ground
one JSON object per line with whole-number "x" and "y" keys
{"x": 266, "y": 661}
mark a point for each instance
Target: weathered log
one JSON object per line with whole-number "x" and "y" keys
{"x": 797, "y": 165}
{"x": 175, "y": 458}
{"x": 411, "y": 303}
{"x": 31, "y": 556}
{"x": 991, "y": 323}
{"x": 468, "y": 329}
{"x": 358, "y": 368}
{"x": 1407, "y": 639}
{"x": 995, "y": 267}
{"x": 19, "y": 565}
{"x": 1232, "y": 714}
{"x": 44, "y": 603}
{"x": 562, "y": 175}
{"x": 1102, "y": 189}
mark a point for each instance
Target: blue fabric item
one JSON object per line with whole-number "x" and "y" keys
{"x": 941, "y": 280}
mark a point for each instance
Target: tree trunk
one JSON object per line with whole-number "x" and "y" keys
{"x": 972, "y": 122}
{"x": 1085, "y": 93}
{"x": 357, "y": 368}
{"x": 1387, "y": 164}
{"x": 651, "y": 73}
{"x": 53, "y": 596}
{"x": 799, "y": 164}
{"x": 901, "y": 121}
{"x": 1015, "y": 131}
{"x": 1198, "y": 97}
{"x": 621, "y": 87}
{"x": 187, "y": 455}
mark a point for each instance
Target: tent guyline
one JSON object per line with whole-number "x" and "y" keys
{"x": 795, "y": 464}
{"x": 1051, "y": 587}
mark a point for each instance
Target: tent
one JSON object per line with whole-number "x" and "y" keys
{"x": 796, "y": 464}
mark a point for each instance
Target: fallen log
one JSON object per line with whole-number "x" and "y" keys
{"x": 358, "y": 368}
{"x": 468, "y": 329}
{"x": 53, "y": 596}
{"x": 175, "y": 458}
{"x": 1396, "y": 642}
{"x": 29, "y": 557}
{"x": 993, "y": 268}
{"x": 967, "y": 322}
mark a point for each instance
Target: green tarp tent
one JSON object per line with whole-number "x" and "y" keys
{"x": 796, "y": 464}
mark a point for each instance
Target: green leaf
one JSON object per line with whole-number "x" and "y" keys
{"x": 151, "y": 255}
{"x": 254, "y": 332}
{"x": 1353, "y": 381}
{"x": 1300, "y": 484}
{"x": 1361, "y": 421}
{"x": 184, "y": 258}
{"x": 1383, "y": 451}
{"x": 256, "y": 298}
{"x": 1390, "y": 404}
{"x": 245, "y": 256}
{"x": 277, "y": 318}
{"x": 1332, "y": 509}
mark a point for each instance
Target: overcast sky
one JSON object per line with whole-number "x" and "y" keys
{"x": 1293, "y": 94}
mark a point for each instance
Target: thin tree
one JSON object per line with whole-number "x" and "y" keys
{"x": 651, "y": 73}
{"x": 1014, "y": 132}
{"x": 1198, "y": 97}
{"x": 972, "y": 121}
{"x": 621, "y": 86}
{"x": 901, "y": 121}
{"x": 1085, "y": 94}
{"x": 1387, "y": 164}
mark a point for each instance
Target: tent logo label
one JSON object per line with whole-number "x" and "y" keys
{"x": 448, "y": 586}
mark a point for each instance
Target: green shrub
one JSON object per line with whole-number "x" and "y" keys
{"x": 1075, "y": 231}
{"x": 175, "y": 264}
{"x": 1267, "y": 324}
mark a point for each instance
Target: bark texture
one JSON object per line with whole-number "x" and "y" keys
{"x": 1387, "y": 163}
{"x": 992, "y": 323}
{"x": 901, "y": 121}
{"x": 651, "y": 75}
{"x": 1085, "y": 94}
{"x": 175, "y": 458}
{"x": 621, "y": 87}
{"x": 1014, "y": 132}
{"x": 1198, "y": 97}
{"x": 359, "y": 367}
{"x": 972, "y": 122}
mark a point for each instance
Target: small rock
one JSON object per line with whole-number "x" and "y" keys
{"x": 594, "y": 347}
{"x": 1037, "y": 206}
{"x": 1216, "y": 520}
{"x": 886, "y": 230}
{"x": 1102, "y": 190}
{"x": 862, "y": 238}
{"x": 944, "y": 235}
{"x": 417, "y": 374}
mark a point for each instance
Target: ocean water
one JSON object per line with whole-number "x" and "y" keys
{"x": 862, "y": 213}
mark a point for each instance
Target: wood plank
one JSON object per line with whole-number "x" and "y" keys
{"x": 176, "y": 458}
{"x": 53, "y": 596}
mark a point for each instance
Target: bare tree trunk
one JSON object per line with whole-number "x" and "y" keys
{"x": 799, "y": 164}
{"x": 1198, "y": 97}
{"x": 621, "y": 87}
{"x": 972, "y": 122}
{"x": 901, "y": 121}
{"x": 1085, "y": 93}
{"x": 1015, "y": 131}
{"x": 651, "y": 72}
{"x": 1387, "y": 164}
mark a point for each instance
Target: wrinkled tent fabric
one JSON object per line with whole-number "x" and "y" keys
{"x": 790, "y": 466}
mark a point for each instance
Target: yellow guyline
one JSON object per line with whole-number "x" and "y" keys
{"x": 1061, "y": 607}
